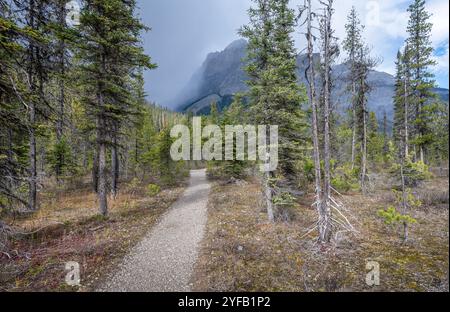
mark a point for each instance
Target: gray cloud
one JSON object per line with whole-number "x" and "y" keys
{"x": 185, "y": 31}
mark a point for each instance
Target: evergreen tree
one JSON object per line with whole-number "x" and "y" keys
{"x": 13, "y": 109}
{"x": 33, "y": 66}
{"x": 386, "y": 148}
{"x": 275, "y": 97}
{"x": 234, "y": 115}
{"x": 364, "y": 65}
{"x": 110, "y": 52}
{"x": 352, "y": 45}
{"x": 402, "y": 102}
{"x": 439, "y": 122}
{"x": 420, "y": 56}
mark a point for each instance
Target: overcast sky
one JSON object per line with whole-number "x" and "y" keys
{"x": 185, "y": 31}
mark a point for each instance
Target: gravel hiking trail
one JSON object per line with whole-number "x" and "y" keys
{"x": 164, "y": 260}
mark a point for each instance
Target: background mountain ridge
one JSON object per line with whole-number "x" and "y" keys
{"x": 221, "y": 76}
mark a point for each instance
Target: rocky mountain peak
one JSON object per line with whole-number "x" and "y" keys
{"x": 221, "y": 76}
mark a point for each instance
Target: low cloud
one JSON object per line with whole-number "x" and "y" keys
{"x": 184, "y": 32}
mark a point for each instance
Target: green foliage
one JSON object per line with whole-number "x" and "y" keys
{"x": 391, "y": 216}
{"x": 235, "y": 114}
{"x": 284, "y": 199}
{"x": 153, "y": 190}
{"x": 414, "y": 172}
{"x": 405, "y": 200}
{"x": 438, "y": 124}
{"x": 133, "y": 184}
{"x": 169, "y": 170}
{"x": 3, "y": 204}
{"x": 275, "y": 97}
{"x": 345, "y": 178}
{"x": 309, "y": 170}
{"x": 60, "y": 158}
{"x": 419, "y": 71}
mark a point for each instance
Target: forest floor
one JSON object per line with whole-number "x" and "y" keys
{"x": 68, "y": 229}
{"x": 243, "y": 252}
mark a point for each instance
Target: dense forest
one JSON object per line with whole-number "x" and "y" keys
{"x": 73, "y": 101}
{"x": 74, "y": 116}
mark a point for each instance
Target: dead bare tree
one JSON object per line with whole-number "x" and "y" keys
{"x": 310, "y": 75}
{"x": 332, "y": 212}
{"x": 328, "y": 51}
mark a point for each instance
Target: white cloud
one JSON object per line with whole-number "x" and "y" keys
{"x": 442, "y": 60}
{"x": 386, "y": 22}
{"x": 439, "y": 10}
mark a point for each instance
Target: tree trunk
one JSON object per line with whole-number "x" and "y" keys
{"x": 32, "y": 117}
{"x": 325, "y": 224}
{"x": 114, "y": 167}
{"x": 61, "y": 97}
{"x": 268, "y": 196}
{"x": 354, "y": 124}
{"x": 136, "y": 155}
{"x": 101, "y": 142}
{"x": 95, "y": 169}
{"x": 33, "y": 162}
{"x": 422, "y": 154}
{"x": 404, "y": 203}
{"x": 11, "y": 181}
{"x": 313, "y": 103}
{"x": 84, "y": 158}
{"x": 364, "y": 148}
{"x": 102, "y": 184}
{"x": 406, "y": 120}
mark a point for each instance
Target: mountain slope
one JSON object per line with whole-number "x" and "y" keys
{"x": 221, "y": 76}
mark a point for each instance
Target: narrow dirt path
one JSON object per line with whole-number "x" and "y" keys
{"x": 165, "y": 258}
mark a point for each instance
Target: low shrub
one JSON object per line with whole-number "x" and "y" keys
{"x": 153, "y": 190}
{"x": 414, "y": 172}
{"x": 345, "y": 179}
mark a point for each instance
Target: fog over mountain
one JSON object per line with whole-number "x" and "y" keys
{"x": 221, "y": 76}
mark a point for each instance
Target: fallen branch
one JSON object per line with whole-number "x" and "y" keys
{"x": 38, "y": 230}
{"x": 97, "y": 228}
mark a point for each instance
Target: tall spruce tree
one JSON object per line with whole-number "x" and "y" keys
{"x": 275, "y": 97}
{"x": 422, "y": 82}
{"x": 352, "y": 45}
{"x": 35, "y": 64}
{"x": 13, "y": 108}
{"x": 364, "y": 65}
{"x": 402, "y": 103}
{"x": 110, "y": 52}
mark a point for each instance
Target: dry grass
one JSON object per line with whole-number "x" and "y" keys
{"x": 242, "y": 252}
{"x": 73, "y": 231}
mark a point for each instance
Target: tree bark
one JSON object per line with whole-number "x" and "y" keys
{"x": 114, "y": 166}
{"x": 364, "y": 147}
{"x": 325, "y": 226}
{"x": 268, "y": 196}
{"x": 312, "y": 98}
{"x": 404, "y": 201}
{"x": 32, "y": 117}
{"x": 406, "y": 116}
{"x": 101, "y": 142}
{"x": 354, "y": 124}
{"x": 61, "y": 85}
{"x": 95, "y": 169}
{"x": 102, "y": 185}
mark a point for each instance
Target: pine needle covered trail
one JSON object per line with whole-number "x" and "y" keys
{"x": 164, "y": 259}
